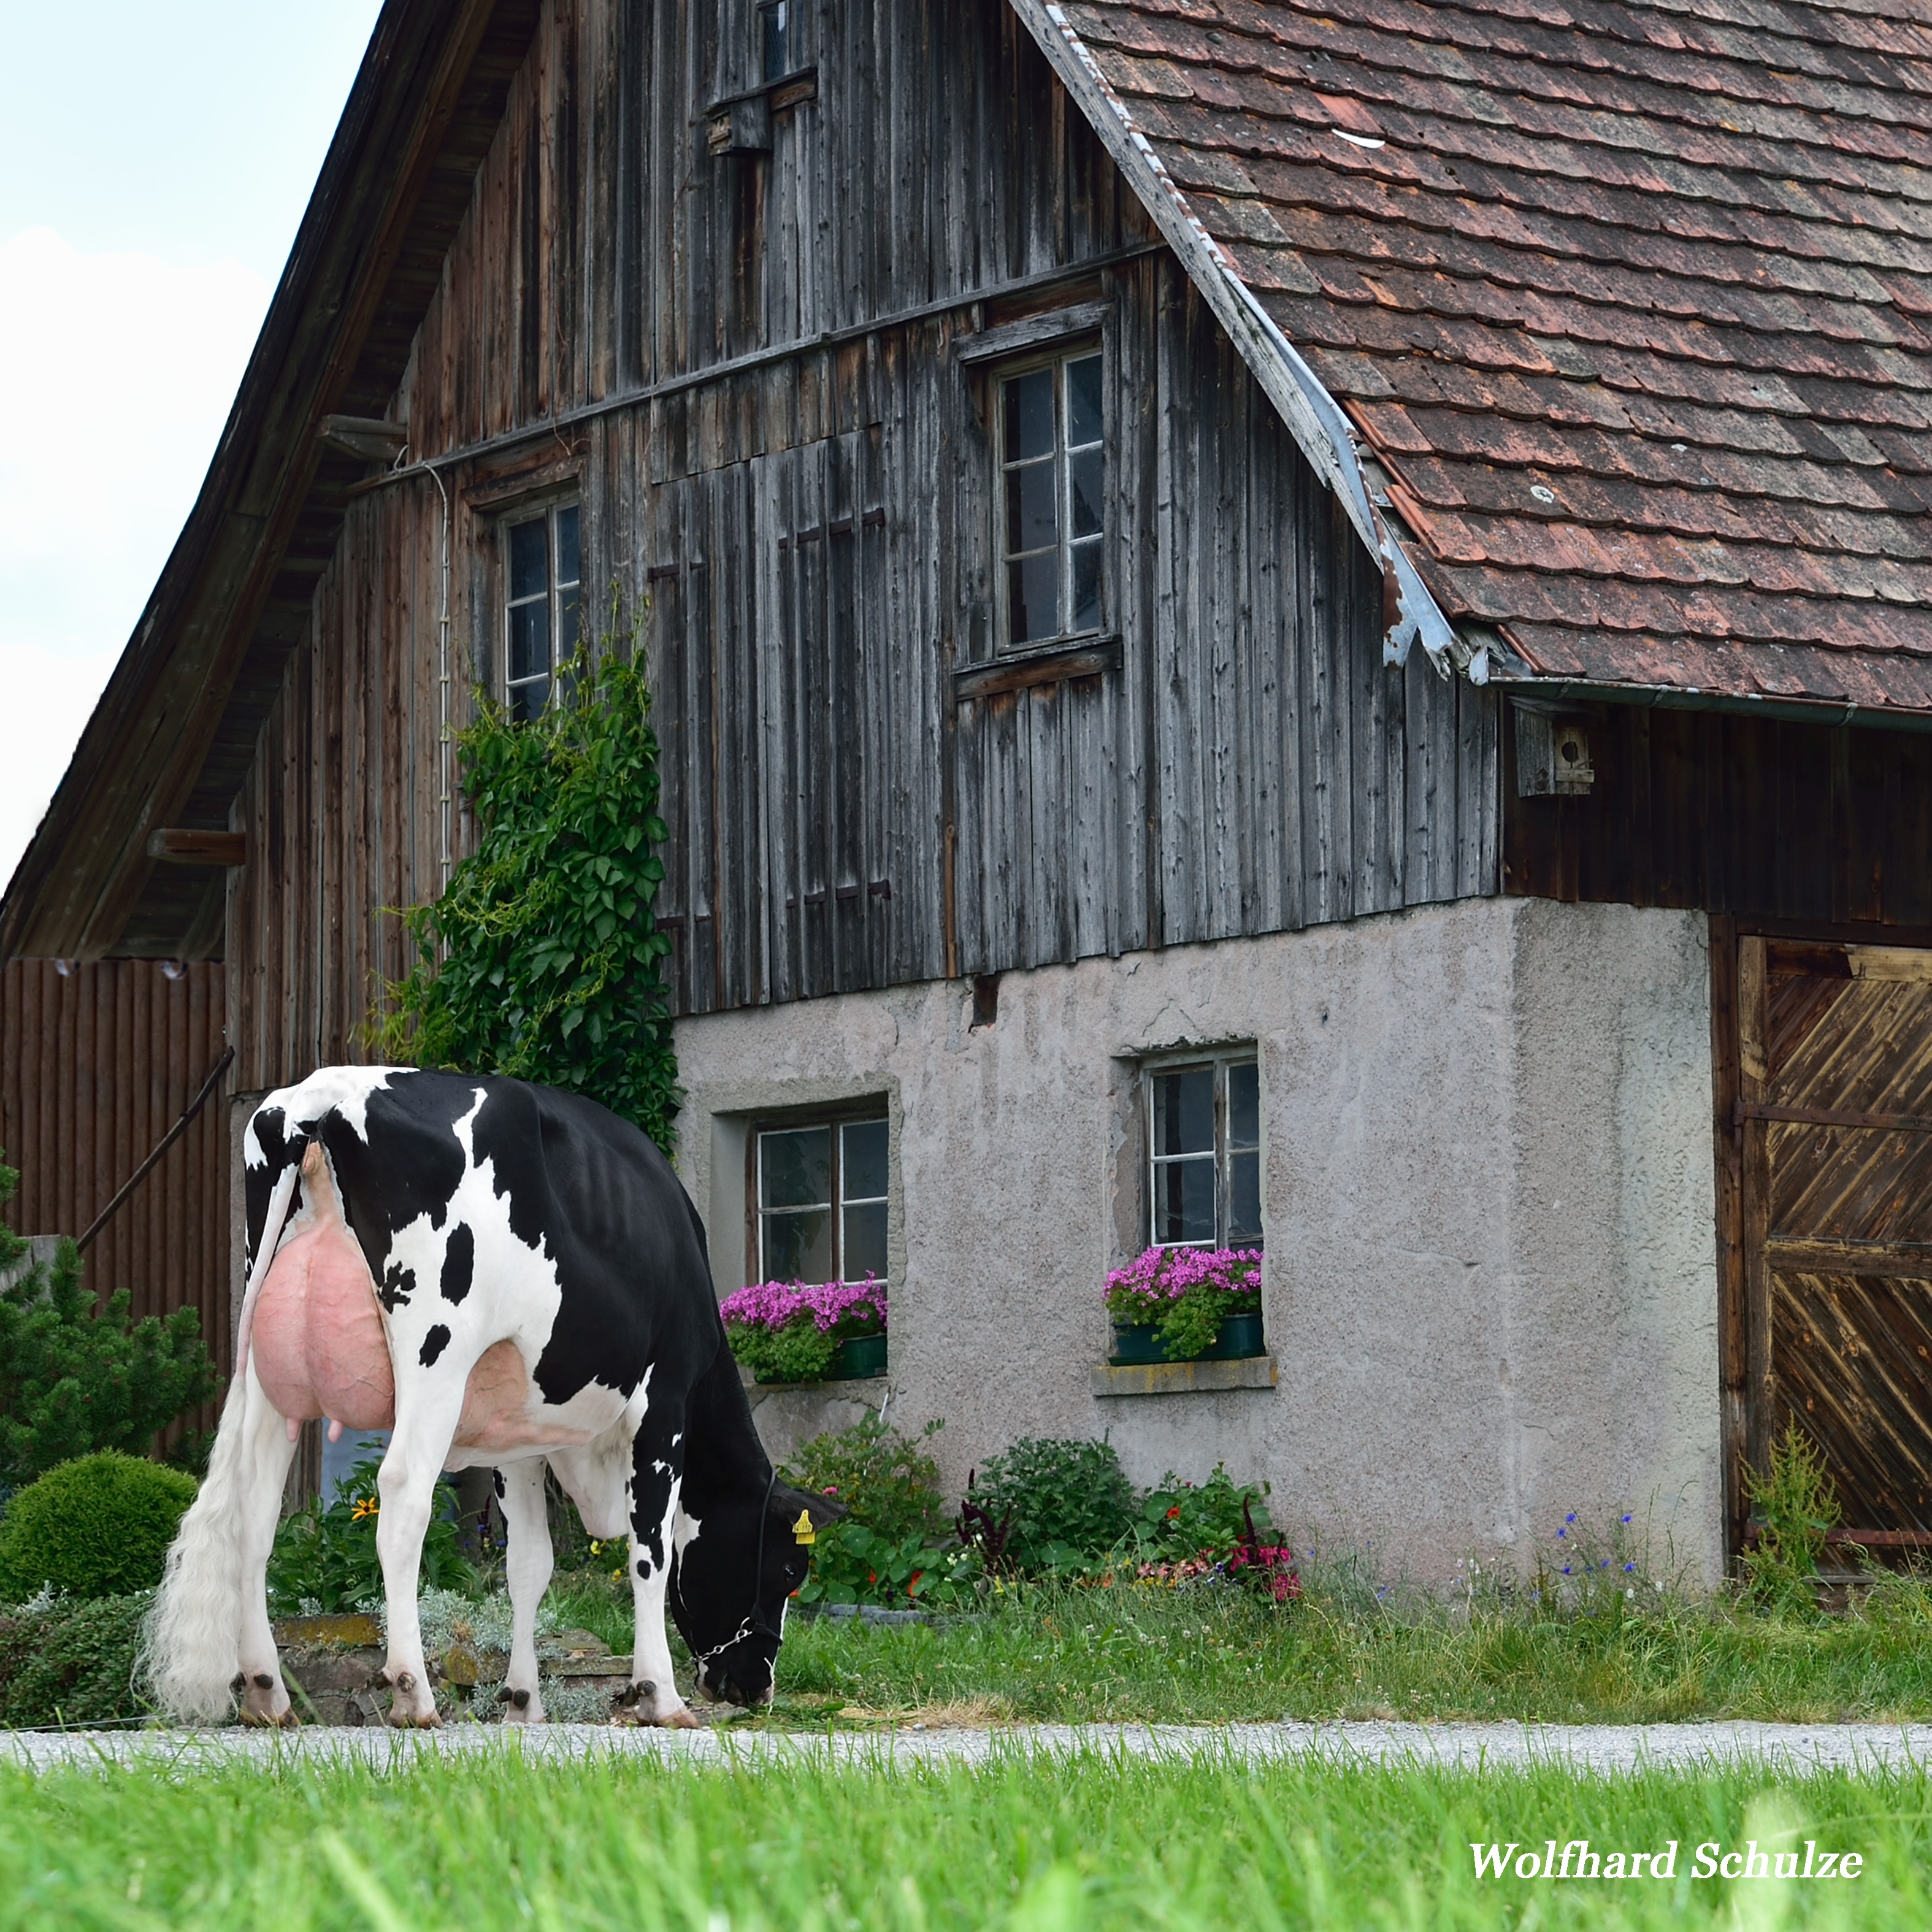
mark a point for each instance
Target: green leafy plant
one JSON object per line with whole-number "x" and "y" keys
{"x": 888, "y": 1549}
{"x": 1048, "y": 1503}
{"x": 325, "y": 1559}
{"x": 887, "y": 1483}
{"x": 67, "y": 1660}
{"x": 1797, "y": 1504}
{"x": 99, "y": 1526}
{"x": 76, "y": 1377}
{"x": 851, "y": 1564}
{"x": 541, "y": 958}
{"x": 1211, "y": 1518}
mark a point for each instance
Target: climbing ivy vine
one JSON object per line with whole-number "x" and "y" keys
{"x": 541, "y": 958}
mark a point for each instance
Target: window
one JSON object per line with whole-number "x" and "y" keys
{"x": 1205, "y": 1154}
{"x": 540, "y": 616}
{"x": 1052, "y": 477}
{"x": 775, "y": 40}
{"x": 821, "y": 1193}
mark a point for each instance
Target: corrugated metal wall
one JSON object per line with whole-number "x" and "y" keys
{"x": 96, "y": 1064}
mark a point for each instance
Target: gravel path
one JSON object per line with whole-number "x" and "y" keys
{"x": 1591, "y": 1748}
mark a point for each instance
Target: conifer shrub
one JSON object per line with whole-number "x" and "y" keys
{"x": 99, "y": 1526}
{"x": 76, "y": 1376}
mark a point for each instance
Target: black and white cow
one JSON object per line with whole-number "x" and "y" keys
{"x": 508, "y": 1276}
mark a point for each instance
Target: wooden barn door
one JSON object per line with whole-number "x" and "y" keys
{"x": 1833, "y": 1114}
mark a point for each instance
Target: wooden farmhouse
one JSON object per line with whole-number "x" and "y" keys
{"x": 1291, "y": 626}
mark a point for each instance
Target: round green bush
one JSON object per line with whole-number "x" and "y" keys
{"x": 99, "y": 1526}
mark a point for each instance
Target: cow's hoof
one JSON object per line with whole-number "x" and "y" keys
{"x": 682, "y": 1719}
{"x": 409, "y": 1720}
{"x": 522, "y": 1707}
{"x": 271, "y": 1720}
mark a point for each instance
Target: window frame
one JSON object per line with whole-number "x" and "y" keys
{"x": 872, "y": 1109}
{"x": 763, "y": 14}
{"x": 1058, "y": 353}
{"x": 557, "y": 594}
{"x": 1221, "y": 1059}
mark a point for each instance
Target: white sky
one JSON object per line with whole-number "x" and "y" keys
{"x": 155, "y": 162}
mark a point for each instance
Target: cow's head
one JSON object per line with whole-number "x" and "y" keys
{"x": 734, "y": 1575}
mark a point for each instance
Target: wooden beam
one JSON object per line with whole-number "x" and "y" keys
{"x": 187, "y": 845}
{"x": 374, "y": 439}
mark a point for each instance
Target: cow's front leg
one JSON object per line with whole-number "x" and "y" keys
{"x": 426, "y": 1419}
{"x": 520, "y": 1488}
{"x": 657, "y": 1473}
{"x": 268, "y": 1446}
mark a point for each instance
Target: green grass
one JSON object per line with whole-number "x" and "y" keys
{"x": 630, "y": 1844}
{"x": 1069, "y": 1653}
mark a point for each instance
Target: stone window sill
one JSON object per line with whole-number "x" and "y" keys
{"x": 1251, "y": 1372}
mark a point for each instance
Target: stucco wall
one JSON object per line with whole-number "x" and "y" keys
{"x": 1491, "y": 1283}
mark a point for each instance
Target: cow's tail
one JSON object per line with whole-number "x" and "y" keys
{"x": 190, "y": 1640}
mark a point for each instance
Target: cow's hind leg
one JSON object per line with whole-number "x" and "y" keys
{"x": 520, "y": 1488}
{"x": 428, "y": 1409}
{"x": 657, "y": 1473}
{"x": 268, "y": 1446}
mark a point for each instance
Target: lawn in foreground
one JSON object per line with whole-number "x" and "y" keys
{"x": 1090, "y": 1843}
{"x": 1070, "y": 1654}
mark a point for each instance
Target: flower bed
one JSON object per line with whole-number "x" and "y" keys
{"x": 793, "y": 1332}
{"x": 1184, "y": 1295}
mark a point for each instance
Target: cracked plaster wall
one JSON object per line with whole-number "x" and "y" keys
{"x": 1491, "y": 1286}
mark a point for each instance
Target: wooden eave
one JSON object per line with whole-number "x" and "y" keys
{"x": 168, "y": 743}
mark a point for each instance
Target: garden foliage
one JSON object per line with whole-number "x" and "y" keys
{"x": 325, "y": 1557}
{"x": 99, "y": 1526}
{"x": 1049, "y": 1504}
{"x": 891, "y": 1548}
{"x": 67, "y": 1660}
{"x": 542, "y": 959}
{"x": 787, "y": 1331}
{"x": 75, "y": 1377}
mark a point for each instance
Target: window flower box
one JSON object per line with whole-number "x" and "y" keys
{"x": 1187, "y": 1305}
{"x": 801, "y": 1332}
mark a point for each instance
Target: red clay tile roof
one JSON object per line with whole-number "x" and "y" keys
{"x": 1632, "y": 302}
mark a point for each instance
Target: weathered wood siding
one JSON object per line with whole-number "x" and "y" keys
{"x": 748, "y": 369}
{"x": 96, "y": 1065}
{"x": 1767, "y": 820}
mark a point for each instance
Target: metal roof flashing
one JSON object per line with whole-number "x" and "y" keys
{"x": 1311, "y": 415}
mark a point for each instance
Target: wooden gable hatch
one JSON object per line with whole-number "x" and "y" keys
{"x": 1523, "y": 489}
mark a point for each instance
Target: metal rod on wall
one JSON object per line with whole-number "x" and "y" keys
{"x": 167, "y": 1140}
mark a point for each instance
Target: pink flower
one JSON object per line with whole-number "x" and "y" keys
{"x": 775, "y": 1304}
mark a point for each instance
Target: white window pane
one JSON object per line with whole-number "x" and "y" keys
{"x": 568, "y": 571}
{"x": 1083, "y": 401}
{"x": 865, "y": 1241}
{"x": 1086, "y": 588}
{"x": 529, "y": 640}
{"x": 1028, "y": 400}
{"x": 530, "y": 559}
{"x": 1183, "y": 1202}
{"x": 798, "y": 1246}
{"x": 1033, "y": 517}
{"x": 1085, "y": 472}
{"x": 1033, "y": 593}
{"x": 1184, "y": 1110}
{"x": 1244, "y": 1105}
{"x": 866, "y": 1154}
{"x": 1244, "y": 1199}
{"x": 795, "y": 1168}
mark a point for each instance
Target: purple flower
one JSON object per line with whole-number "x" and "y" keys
{"x": 1164, "y": 1275}
{"x": 776, "y": 1304}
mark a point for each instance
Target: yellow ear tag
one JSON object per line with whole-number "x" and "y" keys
{"x": 803, "y": 1529}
